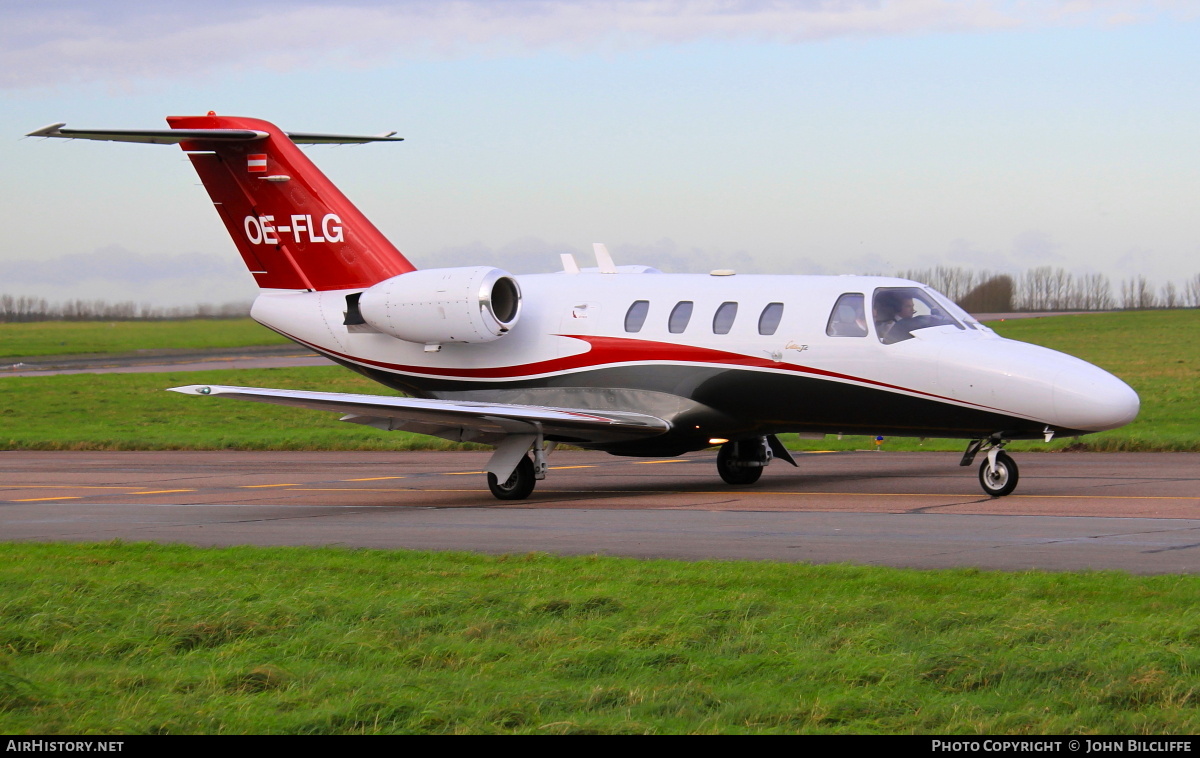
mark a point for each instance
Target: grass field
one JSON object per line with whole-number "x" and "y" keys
{"x": 135, "y": 638}
{"x": 95, "y": 337}
{"x": 133, "y": 412}
{"x": 1157, "y": 352}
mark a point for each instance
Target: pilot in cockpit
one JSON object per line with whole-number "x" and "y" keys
{"x": 884, "y": 311}
{"x": 891, "y": 308}
{"x": 901, "y": 311}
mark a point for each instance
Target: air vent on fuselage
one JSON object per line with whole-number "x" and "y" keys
{"x": 353, "y": 314}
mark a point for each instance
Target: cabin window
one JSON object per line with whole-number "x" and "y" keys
{"x": 635, "y": 317}
{"x": 768, "y": 320}
{"x": 900, "y": 311}
{"x": 681, "y": 314}
{"x": 723, "y": 319}
{"x": 849, "y": 316}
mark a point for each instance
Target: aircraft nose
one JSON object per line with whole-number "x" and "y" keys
{"x": 1094, "y": 400}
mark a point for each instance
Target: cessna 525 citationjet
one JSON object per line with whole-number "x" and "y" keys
{"x": 623, "y": 359}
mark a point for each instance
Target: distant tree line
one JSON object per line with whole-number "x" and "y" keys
{"x": 1039, "y": 289}
{"x": 24, "y": 309}
{"x": 1053, "y": 289}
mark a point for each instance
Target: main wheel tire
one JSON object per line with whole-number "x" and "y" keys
{"x": 518, "y": 486}
{"x": 1003, "y": 480}
{"x": 731, "y": 472}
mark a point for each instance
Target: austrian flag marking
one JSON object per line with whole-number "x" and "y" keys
{"x": 256, "y": 162}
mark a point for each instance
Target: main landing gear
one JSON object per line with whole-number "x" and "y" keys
{"x": 742, "y": 462}
{"x": 998, "y": 473}
{"x": 738, "y": 465}
{"x": 521, "y": 460}
{"x": 518, "y": 486}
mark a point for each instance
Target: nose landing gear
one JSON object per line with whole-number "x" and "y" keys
{"x": 998, "y": 473}
{"x": 998, "y": 477}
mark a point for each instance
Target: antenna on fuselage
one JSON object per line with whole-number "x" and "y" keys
{"x": 569, "y": 264}
{"x": 604, "y": 261}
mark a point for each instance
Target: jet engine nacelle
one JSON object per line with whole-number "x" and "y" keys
{"x": 470, "y": 304}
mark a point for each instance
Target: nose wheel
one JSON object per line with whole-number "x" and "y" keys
{"x": 998, "y": 474}
{"x": 998, "y": 477}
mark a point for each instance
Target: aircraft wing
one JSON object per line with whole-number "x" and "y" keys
{"x": 461, "y": 421}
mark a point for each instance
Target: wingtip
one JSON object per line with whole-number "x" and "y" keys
{"x": 192, "y": 389}
{"x": 50, "y": 130}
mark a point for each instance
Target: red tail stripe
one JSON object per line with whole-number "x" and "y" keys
{"x": 294, "y": 222}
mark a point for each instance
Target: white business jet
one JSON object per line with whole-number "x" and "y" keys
{"x": 623, "y": 359}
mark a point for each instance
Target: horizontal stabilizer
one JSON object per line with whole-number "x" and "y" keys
{"x": 175, "y": 136}
{"x": 465, "y": 421}
{"x": 302, "y": 138}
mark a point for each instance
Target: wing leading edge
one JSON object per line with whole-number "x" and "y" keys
{"x": 460, "y": 421}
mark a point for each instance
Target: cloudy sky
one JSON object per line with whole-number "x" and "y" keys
{"x": 810, "y": 136}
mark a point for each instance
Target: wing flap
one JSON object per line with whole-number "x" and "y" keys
{"x": 457, "y": 420}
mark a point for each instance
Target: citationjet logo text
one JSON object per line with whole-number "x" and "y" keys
{"x": 263, "y": 230}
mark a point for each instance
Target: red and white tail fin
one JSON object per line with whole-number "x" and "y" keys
{"x": 293, "y": 227}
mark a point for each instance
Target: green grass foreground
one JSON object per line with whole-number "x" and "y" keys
{"x": 134, "y": 412}
{"x": 96, "y": 337}
{"x": 1156, "y": 352}
{"x": 138, "y": 638}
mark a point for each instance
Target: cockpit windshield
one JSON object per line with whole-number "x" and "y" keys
{"x": 900, "y": 311}
{"x": 955, "y": 311}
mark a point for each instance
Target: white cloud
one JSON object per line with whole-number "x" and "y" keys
{"x": 116, "y": 274}
{"x": 53, "y": 43}
{"x": 528, "y": 255}
{"x": 532, "y": 255}
{"x": 118, "y": 264}
{"x": 1036, "y": 248}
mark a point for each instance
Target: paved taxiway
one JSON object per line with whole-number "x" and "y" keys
{"x": 154, "y": 361}
{"x": 1135, "y": 512}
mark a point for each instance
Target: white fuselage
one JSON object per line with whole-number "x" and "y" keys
{"x": 573, "y": 347}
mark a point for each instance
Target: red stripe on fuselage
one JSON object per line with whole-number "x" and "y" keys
{"x": 607, "y": 351}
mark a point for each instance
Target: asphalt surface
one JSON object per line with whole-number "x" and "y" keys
{"x": 1072, "y": 511}
{"x": 166, "y": 359}
{"x": 1133, "y": 512}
